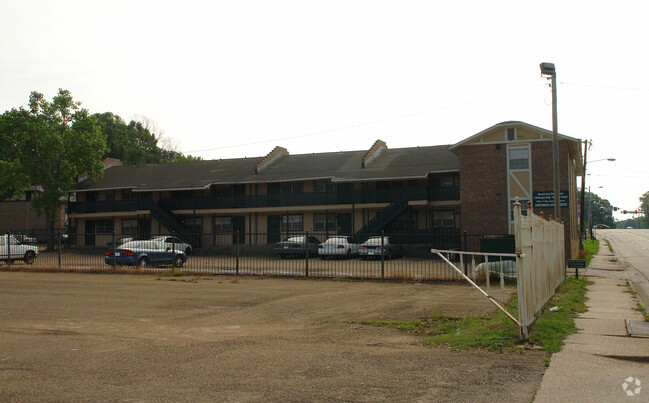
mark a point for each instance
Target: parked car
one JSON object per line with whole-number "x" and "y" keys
{"x": 338, "y": 246}
{"x": 145, "y": 253}
{"x": 372, "y": 248}
{"x": 25, "y": 239}
{"x": 11, "y": 250}
{"x": 297, "y": 246}
{"x": 174, "y": 243}
{"x": 602, "y": 226}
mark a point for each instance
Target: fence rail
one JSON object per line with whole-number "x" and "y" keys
{"x": 253, "y": 254}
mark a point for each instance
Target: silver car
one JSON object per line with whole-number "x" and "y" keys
{"x": 338, "y": 246}
{"x": 372, "y": 248}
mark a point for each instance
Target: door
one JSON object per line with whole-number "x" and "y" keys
{"x": 90, "y": 233}
{"x": 344, "y": 224}
{"x": 274, "y": 228}
{"x": 238, "y": 226}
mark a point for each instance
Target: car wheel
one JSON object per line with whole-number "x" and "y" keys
{"x": 30, "y": 256}
{"x": 349, "y": 253}
{"x": 179, "y": 261}
{"x": 143, "y": 262}
{"x": 188, "y": 251}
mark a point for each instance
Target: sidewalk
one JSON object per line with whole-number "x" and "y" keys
{"x": 595, "y": 363}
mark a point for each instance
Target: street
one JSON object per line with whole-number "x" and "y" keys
{"x": 632, "y": 247}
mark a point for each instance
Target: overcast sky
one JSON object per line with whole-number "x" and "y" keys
{"x": 234, "y": 79}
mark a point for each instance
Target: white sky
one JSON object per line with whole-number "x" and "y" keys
{"x": 234, "y": 79}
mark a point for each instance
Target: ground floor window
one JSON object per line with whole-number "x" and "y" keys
{"x": 129, "y": 226}
{"x": 324, "y": 222}
{"x": 222, "y": 225}
{"x": 444, "y": 219}
{"x": 104, "y": 226}
{"x": 292, "y": 222}
{"x": 195, "y": 224}
{"x": 407, "y": 220}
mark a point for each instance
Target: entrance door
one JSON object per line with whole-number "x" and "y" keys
{"x": 345, "y": 224}
{"x": 274, "y": 228}
{"x": 90, "y": 233}
{"x": 238, "y": 224}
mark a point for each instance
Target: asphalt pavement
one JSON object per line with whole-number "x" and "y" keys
{"x": 602, "y": 362}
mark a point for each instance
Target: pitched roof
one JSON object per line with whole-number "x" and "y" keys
{"x": 344, "y": 166}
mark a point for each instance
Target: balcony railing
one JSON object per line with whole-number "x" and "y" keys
{"x": 269, "y": 200}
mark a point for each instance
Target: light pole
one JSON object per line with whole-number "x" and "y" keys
{"x": 547, "y": 69}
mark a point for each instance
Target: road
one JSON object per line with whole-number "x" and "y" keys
{"x": 631, "y": 246}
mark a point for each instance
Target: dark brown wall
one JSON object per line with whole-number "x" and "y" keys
{"x": 13, "y": 217}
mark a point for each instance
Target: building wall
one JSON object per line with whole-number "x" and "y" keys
{"x": 483, "y": 189}
{"x": 18, "y": 216}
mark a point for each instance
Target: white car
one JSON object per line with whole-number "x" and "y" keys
{"x": 338, "y": 246}
{"x": 174, "y": 243}
{"x": 11, "y": 249}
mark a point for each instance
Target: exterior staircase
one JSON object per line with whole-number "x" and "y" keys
{"x": 169, "y": 220}
{"x": 385, "y": 217}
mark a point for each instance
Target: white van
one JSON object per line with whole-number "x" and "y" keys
{"x": 9, "y": 244}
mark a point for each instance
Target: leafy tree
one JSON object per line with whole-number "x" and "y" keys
{"x": 136, "y": 143}
{"x": 600, "y": 209}
{"x": 48, "y": 145}
{"x": 644, "y": 206}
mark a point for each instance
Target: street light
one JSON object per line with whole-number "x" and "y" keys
{"x": 547, "y": 69}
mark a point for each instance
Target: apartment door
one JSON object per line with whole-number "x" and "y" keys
{"x": 274, "y": 228}
{"x": 90, "y": 233}
{"x": 344, "y": 224}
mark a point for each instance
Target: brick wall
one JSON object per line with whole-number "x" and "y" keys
{"x": 483, "y": 189}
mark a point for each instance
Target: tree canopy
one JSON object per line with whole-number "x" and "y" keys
{"x": 135, "y": 143}
{"x": 48, "y": 144}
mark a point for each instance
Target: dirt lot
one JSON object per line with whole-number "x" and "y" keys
{"x": 68, "y": 336}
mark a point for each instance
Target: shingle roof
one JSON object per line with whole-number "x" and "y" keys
{"x": 345, "y": 166}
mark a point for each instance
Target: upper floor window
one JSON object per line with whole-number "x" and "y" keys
{"x": 323, "y": 186}
{"x": 447, "y": 181}
{"x": 519, "y": 158}
{"x": 291, "y": 187}
{"x": 103, "y": 196}
{"x": 511, "y": 134}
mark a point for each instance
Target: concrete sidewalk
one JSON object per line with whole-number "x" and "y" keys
{"x": 595, "y": 363}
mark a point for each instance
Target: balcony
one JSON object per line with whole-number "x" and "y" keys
{"x": 268, "y": 200}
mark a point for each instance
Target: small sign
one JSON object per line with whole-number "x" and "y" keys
{"x": 577, "y": 263}
{"x": 546, "y": 199}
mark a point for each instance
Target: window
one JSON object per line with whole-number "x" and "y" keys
{"x": 129, "y": 226}
{"x": 519, "y": 158}
{"x": 511, "y": 134}
{"x": 103, "y": 196}
{"x": 323, "y": 186}
{"x": 444, "y": 219}
{"x": 222, "y": 224}
{"x": 447, "y": 181}
{"x": 291, "y": 187}
{"x": 401, "y": 222}
{"x": 324, "y": 222}
{"x": 104, "y": 226}
{"x": 292, "y": 222}
{"x": 194, "y": 224}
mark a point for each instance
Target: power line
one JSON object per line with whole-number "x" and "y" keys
{"x": 372, "y": 123}
{"x": 607, "y": 87}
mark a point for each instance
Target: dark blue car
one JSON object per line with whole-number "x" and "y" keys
{"x": 145, "y": 253}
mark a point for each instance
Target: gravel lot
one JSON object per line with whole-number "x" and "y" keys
{"x": 75, "y": 336}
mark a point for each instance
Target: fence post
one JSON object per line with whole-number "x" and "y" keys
{"x": 238, "y": 251}
{"x": 114, "y": 252}
{"x": 466, "y": 248}
{"x": 382, "y": 255}
{"x": 307, "y": 252}
{"x": 59, "y": 249}
{"x": 8, "y": 249}
{"x": 520, "y": 273}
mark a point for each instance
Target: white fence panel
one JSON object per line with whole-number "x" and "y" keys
{"x": 542, "y": 269}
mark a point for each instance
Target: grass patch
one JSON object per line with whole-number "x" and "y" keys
{"x": 495, "y": 332}
{"x": 639, "y": 307}
{"x": 590, "y": 249}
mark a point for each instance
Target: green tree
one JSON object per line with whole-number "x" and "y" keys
{"x": 48, "y": 145}
{"x": 600, "y": 209}
{"x": 644, "y": 206}
{"x": 137, "y": 142}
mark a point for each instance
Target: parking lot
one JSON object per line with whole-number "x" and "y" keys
{"x": 81, "y": 336}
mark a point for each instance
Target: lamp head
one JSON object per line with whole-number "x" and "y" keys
{"x": 548, "y": 69}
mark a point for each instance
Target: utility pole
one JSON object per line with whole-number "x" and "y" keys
{"x": 549, "y": 70}
{"x": 582, "y": 211}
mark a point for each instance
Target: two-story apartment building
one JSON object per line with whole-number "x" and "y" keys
{"x": 425, "y": 191}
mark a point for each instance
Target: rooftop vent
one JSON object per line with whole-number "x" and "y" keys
{"x": 277, "y": 153}
{"x": 376, "y": 149}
